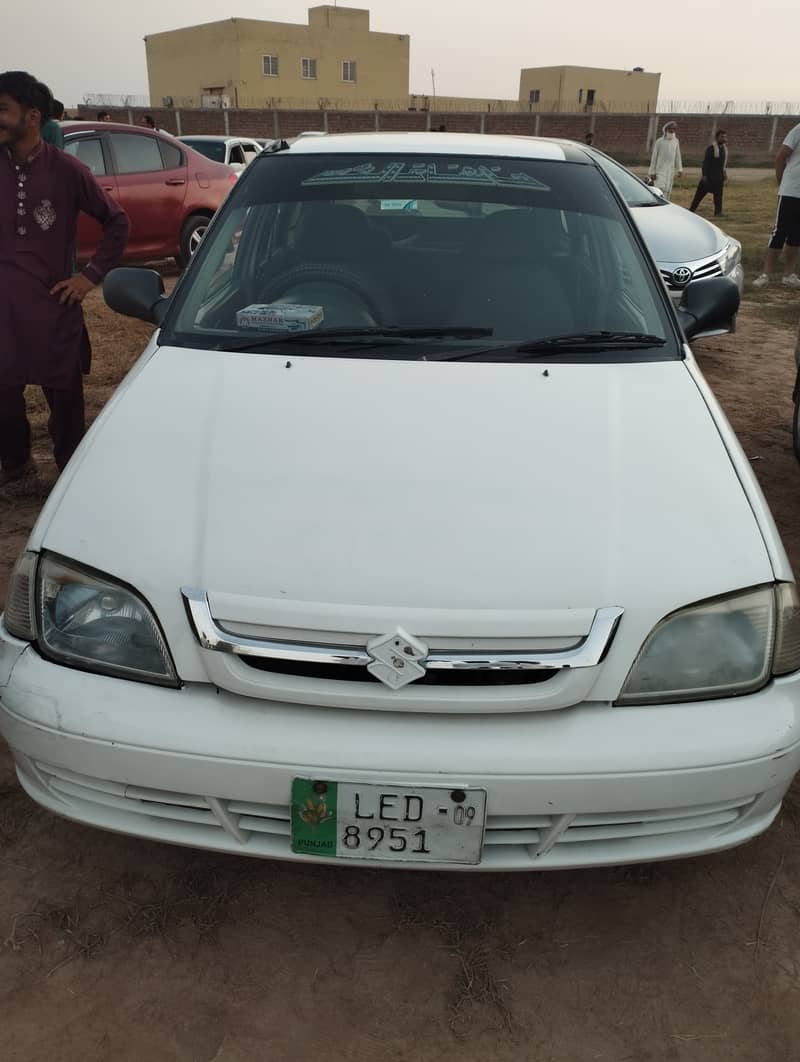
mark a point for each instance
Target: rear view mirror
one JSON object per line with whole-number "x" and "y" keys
{"x": 136, "y": 293}
{"x": 708, "y": 307}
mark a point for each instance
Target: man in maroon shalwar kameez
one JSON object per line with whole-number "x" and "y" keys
{"x": 43, "y": 339}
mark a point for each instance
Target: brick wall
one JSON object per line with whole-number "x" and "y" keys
{"x": 753, "y": 138}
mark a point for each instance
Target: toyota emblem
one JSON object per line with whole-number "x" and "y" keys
{"x": 681, "y": 276}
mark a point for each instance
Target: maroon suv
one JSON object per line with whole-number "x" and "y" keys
{"x": 169, "y": 191}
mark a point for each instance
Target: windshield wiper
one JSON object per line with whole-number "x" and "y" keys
{"x": 344, "y": 334}
{"x": 572, "y": 342}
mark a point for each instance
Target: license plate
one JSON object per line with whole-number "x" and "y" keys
{"x": 417, "y": 824}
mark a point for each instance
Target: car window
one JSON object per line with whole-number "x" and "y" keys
{"x": 250, "y": 151}
{"x": 90, "y": 152}
{"x": 136, "y": 153}
{"x": 212, "y": 149}
{"x": 237, "y": 155}
{"x": 632, "y": 190}
{"x": 520, "y": 249}
{"x": 172, "y": 156}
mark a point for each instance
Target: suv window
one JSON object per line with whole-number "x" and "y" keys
{"x": 172, "y": 156}
{"x": 136, "y": 153}
{"x": 89, "y": 151}
{"x": 237, "y": 155}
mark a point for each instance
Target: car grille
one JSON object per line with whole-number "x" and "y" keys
{"x": 336, "y": 673}
{"x": 265, "y": 829}
{"x": 703, "y": 271}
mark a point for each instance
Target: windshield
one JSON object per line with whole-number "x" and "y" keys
{"x": 633, "y": 191}
{"x": 212, "y": 149}
{"x": 417, "y": 252}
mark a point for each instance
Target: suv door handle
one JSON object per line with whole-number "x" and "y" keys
{"x": 108, "y": 188}
{"x": 175, "y": 180}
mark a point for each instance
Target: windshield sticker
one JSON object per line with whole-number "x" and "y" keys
{"x": 279, "y": 317}
{"x": 485, "y": 176}
{"x": 399, "y": 204}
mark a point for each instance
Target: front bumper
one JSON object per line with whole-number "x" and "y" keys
{"x": 586, "y": 786}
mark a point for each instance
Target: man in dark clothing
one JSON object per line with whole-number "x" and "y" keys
{"x": 43, "y": 339}
{"x": 715, "y": 167}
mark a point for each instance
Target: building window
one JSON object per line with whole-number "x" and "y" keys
{"x": 533, "y": 96}
{"x": 580, "y": 95}
{"x": 349, "y": 70}
{"x": 590, "y": 97}
{"x": 270, "y": 65}
{"x": 308, "y": 68}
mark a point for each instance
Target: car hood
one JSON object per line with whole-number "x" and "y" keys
{"x": 674, "y": 235}
{"x": 360, "y": 485}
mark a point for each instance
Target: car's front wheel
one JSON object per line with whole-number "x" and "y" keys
{"x": 194, "y": 229}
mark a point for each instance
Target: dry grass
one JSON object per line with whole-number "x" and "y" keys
{"x": 473, "y": 943}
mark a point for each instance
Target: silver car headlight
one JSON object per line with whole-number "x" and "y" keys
{"x": 86, "y": 620}
{"x": 718, "y": 648}
{"x": 731, "y": 256}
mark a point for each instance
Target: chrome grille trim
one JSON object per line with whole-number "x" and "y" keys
{"x": 589, "y": 652}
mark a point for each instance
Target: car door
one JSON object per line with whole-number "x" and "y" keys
{"x": 91, "y": 151}
{"x": 152, "y": 178}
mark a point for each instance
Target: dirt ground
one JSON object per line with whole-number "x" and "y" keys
{"x": 118, "y": 950}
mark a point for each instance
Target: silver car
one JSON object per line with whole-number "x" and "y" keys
{"x": 685, "y": 246}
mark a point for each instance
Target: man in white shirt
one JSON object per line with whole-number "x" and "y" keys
{"x": 787, "y": 223}
{"x": 666, "y": 161}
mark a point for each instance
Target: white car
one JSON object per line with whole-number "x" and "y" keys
{"x": 234, "y": 151}
{"x": 414, "y": 538}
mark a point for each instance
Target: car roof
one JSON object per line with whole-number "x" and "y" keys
{"x": 479, "y": 144}
{"x": 111, "y": 127}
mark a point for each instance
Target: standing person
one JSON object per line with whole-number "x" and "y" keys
{"x": 43, "y": 337}
{"x": 104, "y": 116}
{"x": 588, "y": 138}
{"x": 666, "y": 161}
{"x": 714, "y": 174}
{"x": 51, "y": 129}
{"x": 149, "y": 123}
{"x": 787, "y": 223}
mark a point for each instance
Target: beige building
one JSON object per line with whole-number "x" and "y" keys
{"x": 571, "y": 89}
{"x": 335, "y": 61}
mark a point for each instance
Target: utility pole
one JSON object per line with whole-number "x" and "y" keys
{"x": 433, "y": 83}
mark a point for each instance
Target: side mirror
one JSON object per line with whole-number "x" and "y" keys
{"x": 708, "y": 307}
{"x": 136, "y": 293}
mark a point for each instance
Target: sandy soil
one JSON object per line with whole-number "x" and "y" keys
{"x": 114, "y": 949}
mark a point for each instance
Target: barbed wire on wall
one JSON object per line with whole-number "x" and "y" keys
{"x": 442, "y": 104}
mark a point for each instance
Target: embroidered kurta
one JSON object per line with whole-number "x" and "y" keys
{"x": 41, "y": 341}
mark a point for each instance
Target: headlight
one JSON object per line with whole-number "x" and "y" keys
{"x": 86, "y": 620}
{"x": 731, "y": 256}
{"x": 718, "y": 648}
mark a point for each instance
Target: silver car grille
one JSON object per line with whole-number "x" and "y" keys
{"x": 703, "y": 270}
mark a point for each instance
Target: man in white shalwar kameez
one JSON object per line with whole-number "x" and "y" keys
{"x": 666, "y": 161}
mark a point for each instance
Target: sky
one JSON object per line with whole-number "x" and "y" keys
{"x": 706, "y": 50}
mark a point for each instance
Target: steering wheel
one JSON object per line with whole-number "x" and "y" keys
{"x": 371, "y": 295}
